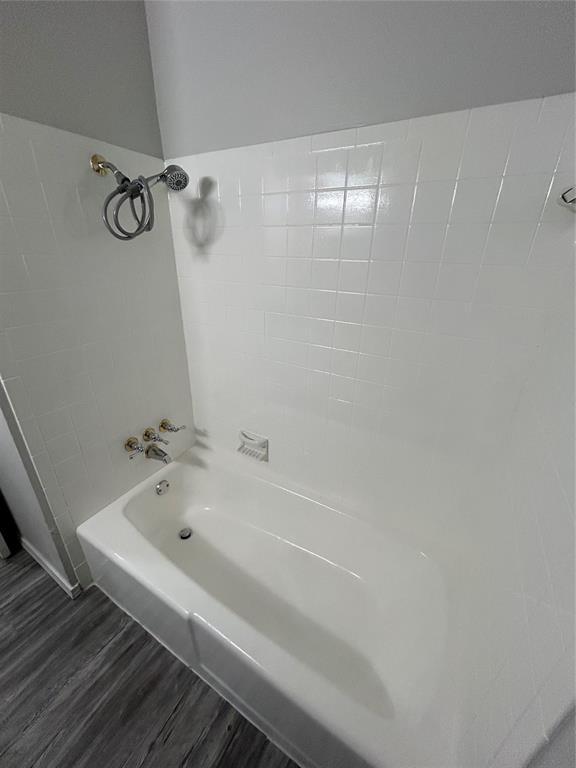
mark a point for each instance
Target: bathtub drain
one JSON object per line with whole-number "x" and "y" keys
{"x": 185, "y": 533}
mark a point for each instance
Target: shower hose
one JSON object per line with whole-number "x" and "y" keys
{"x": 139, "y": 195}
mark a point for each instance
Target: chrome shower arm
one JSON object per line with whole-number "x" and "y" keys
{"x": 153, "y": 180}
{"x": 118, "y": 175}
{"x": 102, "y": 166}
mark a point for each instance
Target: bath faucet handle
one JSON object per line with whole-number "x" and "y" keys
{"x": 167, "y": 426}
{"x": 133, "y": 446}
{"x": 151, "y": 436}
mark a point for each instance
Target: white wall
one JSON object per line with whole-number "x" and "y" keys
{"x": 24, "y": 505}
{"x": 229, "y": 74}
{"x": 560, "y": 752}
{"x": 91, "y": 345}
{"x": 388, "y": 304}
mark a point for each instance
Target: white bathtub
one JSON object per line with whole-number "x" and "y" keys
{"x": 324, "y": 633}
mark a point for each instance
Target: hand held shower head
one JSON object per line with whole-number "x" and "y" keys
{"x": 175, "y": 178}
{"x": 132, "y": 191}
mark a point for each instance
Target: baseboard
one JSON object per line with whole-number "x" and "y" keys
{"x": 72, "y": 590}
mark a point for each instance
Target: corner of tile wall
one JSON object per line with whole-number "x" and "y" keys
{"x": 380, "y": 302}
{"x": 91, "y": 342}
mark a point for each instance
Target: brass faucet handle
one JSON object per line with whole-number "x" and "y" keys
{"x": 133, "y": 447}
{"x": 151, "y": 436}
{"x": 167, "y": 426}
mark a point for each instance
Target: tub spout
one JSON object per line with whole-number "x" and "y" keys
{"x": 156, "y": 453}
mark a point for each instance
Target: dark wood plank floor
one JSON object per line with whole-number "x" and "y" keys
{"x": 84, "y": 686}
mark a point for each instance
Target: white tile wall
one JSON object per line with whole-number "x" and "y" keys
{"x": 392, "y": 306}
{"x": 91, "y": 346}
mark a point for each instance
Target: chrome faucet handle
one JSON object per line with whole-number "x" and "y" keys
{"x": 151, "y": 436}
{"x": 167, "y": 426}
{"x": 134, "y": 447}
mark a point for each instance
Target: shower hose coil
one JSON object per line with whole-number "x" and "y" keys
{"x": 141, "y": 202}
{"x": 137, "y": 193}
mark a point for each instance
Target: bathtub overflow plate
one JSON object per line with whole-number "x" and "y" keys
{"x": 162, "y": 487}
{"x": 185, "y": 533}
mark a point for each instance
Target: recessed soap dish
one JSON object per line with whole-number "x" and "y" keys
{"x": 253, "y": 445}
{"x": 568, "y": 199}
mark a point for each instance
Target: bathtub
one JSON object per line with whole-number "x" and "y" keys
{"x": 326, "y": 634}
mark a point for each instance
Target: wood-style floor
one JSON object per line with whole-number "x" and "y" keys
{"x": 84, "y": 686}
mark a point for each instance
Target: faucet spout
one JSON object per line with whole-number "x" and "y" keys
{"x": 156, "y": 453}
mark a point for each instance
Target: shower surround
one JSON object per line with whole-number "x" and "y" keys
{"x": 392, "y": 307}
{"x": 91, "y": 345}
